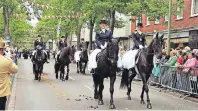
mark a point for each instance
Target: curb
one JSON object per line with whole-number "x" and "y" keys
{"x": 11, "y": 99}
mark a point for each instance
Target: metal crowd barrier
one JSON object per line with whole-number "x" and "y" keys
{"x": 177, "y": 79}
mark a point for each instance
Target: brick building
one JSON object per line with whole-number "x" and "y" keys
{"x": 184, "y": 26}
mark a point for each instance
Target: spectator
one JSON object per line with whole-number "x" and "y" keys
{"x": 185, "y": 57}
{"x": 172, "y": 60}
{"x": 190, "y": 63}
{"x": 7, "y": 67}
{"x": 180, "y": 59}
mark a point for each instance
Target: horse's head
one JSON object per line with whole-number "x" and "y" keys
{"x": 156, "y": 45}
{"x": 113, "y": 49}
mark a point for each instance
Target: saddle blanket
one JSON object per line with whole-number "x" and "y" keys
{"x": 128, "y": 59}
{"x": 77, "y": 56}
{"x": 92, "y": 59}
{"x": 119, "y": 62}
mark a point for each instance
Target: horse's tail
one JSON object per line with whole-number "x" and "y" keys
{"x": 124, "y": 81}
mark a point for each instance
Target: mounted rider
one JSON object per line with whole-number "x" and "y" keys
{"x": 138, "y": 38}
{"x": 139, "y": 42}
{"x": 39, "y": 42}
{"x": 61, "y": 44}
{"x": 79, "y": 50}
{"x": 101, "y": 39}
{"x": 82, "y": 44}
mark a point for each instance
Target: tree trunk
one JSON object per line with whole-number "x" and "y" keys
{"x": 78, "y": 34}
{"x": 91, "y": 33}
{"x": 6, "y": 21}
{"x": 112, "y": 20}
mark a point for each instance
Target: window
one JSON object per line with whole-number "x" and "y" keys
{"x": 180, "y": 14}
{"x": 194, "y": 8}
{"x": 166, "y": 18}
{"x": 156, "y": 21}
{"x": 147, "y": 21}
{"x": 138, "y": 20}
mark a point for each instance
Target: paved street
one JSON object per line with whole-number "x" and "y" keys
{"x": 77, "y": 93}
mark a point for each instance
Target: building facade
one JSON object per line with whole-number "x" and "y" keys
{"x": 184, "y": 26}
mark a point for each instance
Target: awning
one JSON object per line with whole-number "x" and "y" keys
{"x": 177, "y": 35}
{"x": 179, "y": 40}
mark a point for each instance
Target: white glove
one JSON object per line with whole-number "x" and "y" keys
{"x": 145, "y": 46}
{"x": 102, "y": 47}
{"x": 140, "y": 46}
{"x": 105, "y": 45}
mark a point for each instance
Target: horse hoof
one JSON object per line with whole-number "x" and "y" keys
{"x": 56, "y": 76}
{"x": 95, "y": 96}
{"x": 149, "y": 106}
{"x": 112, "y": 106}
{"x": 67, "y": 78}
{"x": 142, "y": 102}
{"x": 78, "y": 72}
{"x": 100, "y": 102}
{"x": 129, "y": 97}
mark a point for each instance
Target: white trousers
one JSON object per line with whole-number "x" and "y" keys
{"x": 128, "y": 59}
{"x": 92, "y": 59}
{"x": 77, "y": 56}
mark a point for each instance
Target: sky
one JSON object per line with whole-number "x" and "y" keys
{"x": 34, "y": 22}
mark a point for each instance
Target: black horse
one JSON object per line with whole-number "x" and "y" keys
{"x": 143, "y": 67}
{"x": 63, "y": 60}
{"x": 106, "y": 67}
{"x": 83, "y": 59}
{"x": 39, "y": 58}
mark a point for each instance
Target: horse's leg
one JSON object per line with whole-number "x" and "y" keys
{"x": 147, "y": 91}
{"x": 56, "y": 67}
{"x": 112, "y": 81}
{"x": 80, "y": 65}
{"x": 101, "y": 87}
{"x": 77, "y": 67}
{"x": 63, "y": 72}
{"x": 129, "y": 83}
{"x": 67, "y": 77}
{"x": 95, "y": 80}
{"x": 84, "y": 67}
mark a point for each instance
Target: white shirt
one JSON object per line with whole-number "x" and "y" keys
{"x": 103, "y": 30}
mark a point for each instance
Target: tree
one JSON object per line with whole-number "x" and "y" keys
{"x": 8, "y": 8}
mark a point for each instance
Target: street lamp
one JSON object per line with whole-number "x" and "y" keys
{"x": 169, "y": 27}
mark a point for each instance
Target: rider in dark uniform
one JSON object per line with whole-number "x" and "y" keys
{"x": 39, "y": 42}
{"x": 138, "y": 38}
{"x": 62, "y": 43}
{"x": 101, "y": 39}
{"x": 103, "y": 35}
{"x": 82, "y": 44}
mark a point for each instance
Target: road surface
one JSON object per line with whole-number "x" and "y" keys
{"x": 77, "y": 93}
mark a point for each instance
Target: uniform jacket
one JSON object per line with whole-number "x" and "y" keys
{"x": 102, "y": 37}
{"x": 40, "y": 43}
{"x": 62, "y": 44}
{"x": 82, "y": 45}
{"x": 138, "y": 39}
{"x": 7, "y": 66}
